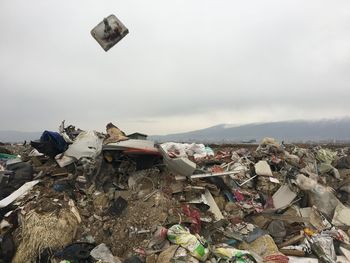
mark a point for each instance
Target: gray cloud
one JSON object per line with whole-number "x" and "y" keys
{"x": 185, "y": 64}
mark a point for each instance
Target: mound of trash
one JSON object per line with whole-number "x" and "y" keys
{"x": 87, "y": 196}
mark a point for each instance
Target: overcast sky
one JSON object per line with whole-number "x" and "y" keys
{"x": 185, "y": 65}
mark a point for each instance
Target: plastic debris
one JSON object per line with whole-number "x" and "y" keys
{"x": 177, "y": 234}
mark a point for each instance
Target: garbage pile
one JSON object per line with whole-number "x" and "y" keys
{"x": 86, "y": 196}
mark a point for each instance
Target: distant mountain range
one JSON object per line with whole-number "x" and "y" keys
{"x": 18, "y": 136}
{"x": 289, "y": 131}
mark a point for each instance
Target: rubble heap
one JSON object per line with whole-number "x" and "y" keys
{"x": 85, "y": 196}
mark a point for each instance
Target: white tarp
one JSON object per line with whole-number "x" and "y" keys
{"x": 86, "y": 144}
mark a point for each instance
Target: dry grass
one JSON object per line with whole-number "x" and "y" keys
{"x": 40, "y": 231}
